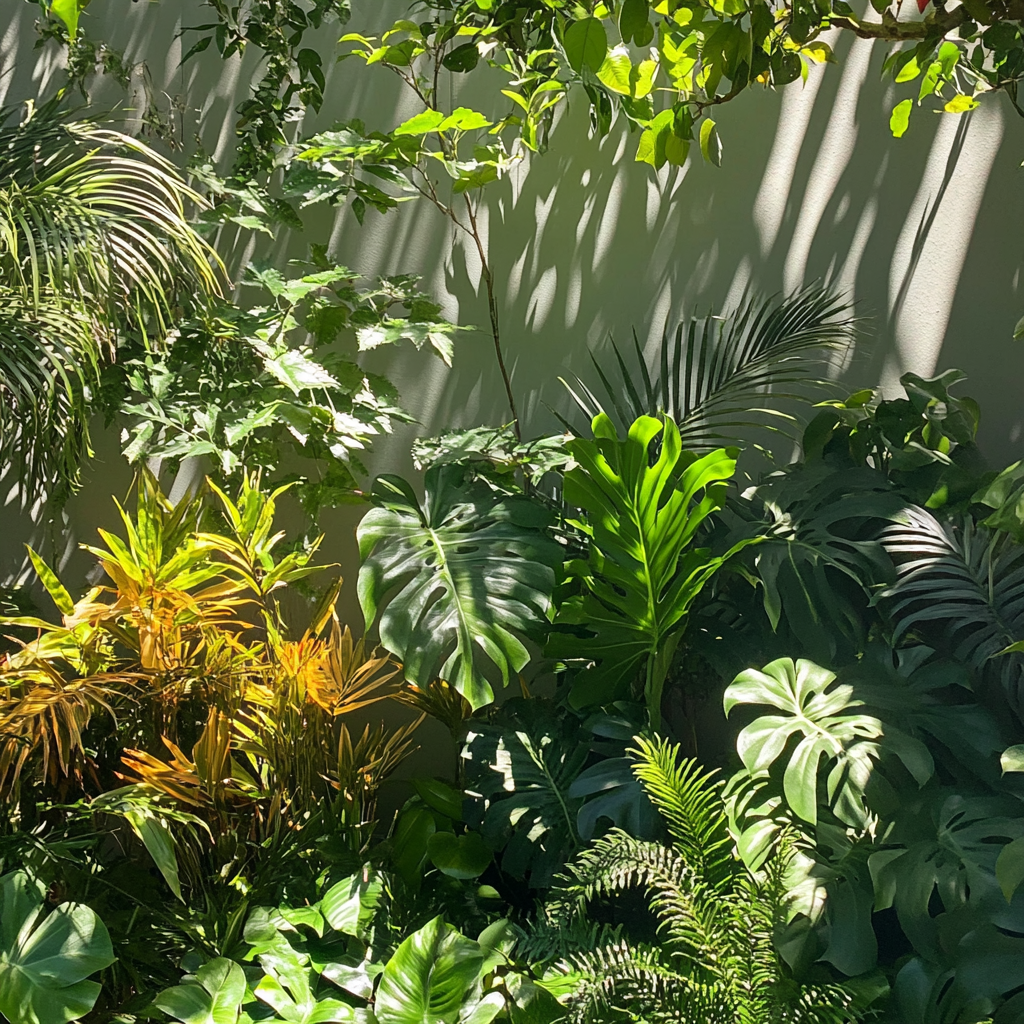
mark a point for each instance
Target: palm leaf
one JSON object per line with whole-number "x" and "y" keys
{"x": 718, "y": 377}
{"x": 962, "y": 589}
{"x": 94, "y": 241}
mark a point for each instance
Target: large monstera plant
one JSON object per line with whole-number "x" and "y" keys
{"x": 643, "y": 499}
{"x": 457, "y": 582}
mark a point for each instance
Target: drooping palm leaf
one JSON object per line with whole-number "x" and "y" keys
{"x": 718, "y": 377}
{"x": 94, "y": 241}
{"x": 457, "y": 581}
{"x": 962, "y": 589}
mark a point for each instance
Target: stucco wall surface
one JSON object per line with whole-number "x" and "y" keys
{"x": 924, "y": 232}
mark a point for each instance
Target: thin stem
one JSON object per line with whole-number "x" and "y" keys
{"x": 492, "y": 305}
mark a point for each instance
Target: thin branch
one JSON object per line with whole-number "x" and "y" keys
{"x": 493, "y": 310}
{"x": 901, "y": 31}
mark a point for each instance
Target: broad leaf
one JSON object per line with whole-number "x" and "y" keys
{"x": 214, "y": 995}
{"x": 520, "y": 768}
{"x": 349, "y": 906}
{"x": 456, "y": 581}
{"x": 46, "y": 958}
{"x": 813, "y": 717}
{"x": 643, "y": 572}
{"x": 429, "y": 977}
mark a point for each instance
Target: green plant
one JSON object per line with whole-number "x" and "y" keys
{"x": 95, "y": 244}
{"x": 961, "y": 588}
{"x": 922, "y": 444}
{"x": 714, "y": 959}
{"x": 723, "y": 376}
{"x": 464, "y": 575}
{"x": 641, "y": 513}
{"x": 47, "y": 957}
{"x": 883, "y": 825}
{"x": 335, "y": 960}
{"x": 540, "y": 781}
{"x": 168, "y": 749}
{"x": 237, "y": 387}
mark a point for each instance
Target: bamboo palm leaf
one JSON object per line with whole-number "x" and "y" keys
{"x": 94, "y": 241}
{"x": 718, "y": 377}
{"x": 963, "y": 590}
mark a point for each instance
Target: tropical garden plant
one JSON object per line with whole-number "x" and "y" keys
{"x": 211, "y": 808}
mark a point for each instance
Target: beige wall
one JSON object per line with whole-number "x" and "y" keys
{"x": 924, "y": 231}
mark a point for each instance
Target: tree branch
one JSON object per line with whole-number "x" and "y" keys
{"x": 901, "y": 31}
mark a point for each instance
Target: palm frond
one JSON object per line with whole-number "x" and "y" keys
{"x": 690, "y": 802}
{"x": 95, "y": 241}
{"x": 962, "y": 589}
{"x": 718, "y": 377}
{"x": 49, "y": 359}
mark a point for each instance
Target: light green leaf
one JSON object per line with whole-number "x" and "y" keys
{"x": 45, "y": 958}
{"x": 349, "y": 905}
{"x": 899, "y": 120}
{"x": 615, "y": 71}
{"x": 213, "y": 995}
{"x": 642, "y": 573}
{"x": 68, "y": 11}
{"x": 1012, "y": 759}
{"x": 710, "y": 143}
{"x": 429, "y": 977}
{"x": 298, "y": 372}
{"x": 960, "y": 104}
{"x": 54, "y": 587}
{"x": 422, "y": 124}
{"x": 463, "y": 119}
{"x": 909, "y": 71}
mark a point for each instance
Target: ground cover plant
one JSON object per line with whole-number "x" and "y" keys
{"x": 203, "y": 819}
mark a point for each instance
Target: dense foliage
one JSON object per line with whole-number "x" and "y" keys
{"x": 709, "y": 752}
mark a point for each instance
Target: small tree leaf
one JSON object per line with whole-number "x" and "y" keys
{"x": 899, "y": 120}
{"x": 586, "y": 44}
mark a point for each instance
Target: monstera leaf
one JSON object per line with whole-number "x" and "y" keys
{"x": 828, "y": 734}
{"x": 461, "y": 578}
{"x": 46, "y": 958}
{"x": 642, "y": 574}
{"x": 950, "y": 849}
{"x": 521, "y": 766}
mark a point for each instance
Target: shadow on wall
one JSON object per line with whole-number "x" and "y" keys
{"x": 922, "y": 231}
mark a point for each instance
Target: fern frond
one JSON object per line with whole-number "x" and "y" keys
{"x": 691, "y": 915}
{"x": 690, "y": 801}
{"x": 651, "y": 983}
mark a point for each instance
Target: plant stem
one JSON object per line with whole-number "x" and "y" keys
{"x": 493, "y": 310}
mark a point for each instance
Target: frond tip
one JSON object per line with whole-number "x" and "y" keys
{"x": 721, "y": 376}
